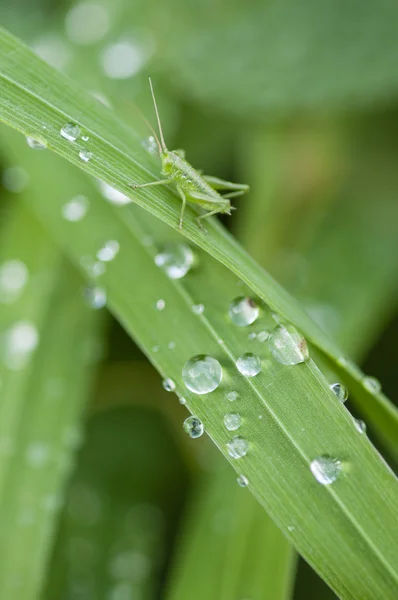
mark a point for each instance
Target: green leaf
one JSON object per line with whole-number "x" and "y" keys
{"x": 37, "y": 100}
{"x": 331, "y": 526}
{"x": 43, "y": 395}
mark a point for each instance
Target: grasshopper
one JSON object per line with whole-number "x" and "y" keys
{"x": 191, "y": 185}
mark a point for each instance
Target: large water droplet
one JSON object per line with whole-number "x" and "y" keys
{"x": 108, "y": 251}
{"x": 360, "y": 425}
{"x": 113, "y": 195}
{"x": 175, "y": 260}
{"x": 238, "y": 447}
{"x": 340, "y": 391}
{"x": 70, "y": 132}
{"x": 202, "y": 374}
{"x": 242, "y": 481}
{"x": 75, "y": 209}
{"x": 232, "y": 421}
{"x": 35, "y": 143}
{"x": 193, "y": 427}
{"x": 86, "y": 23}
{"x": 372, "y": 384}
{"x": 85, "y": 155}
{"x": 95, "y": 297}
{"x": 13, "y": 278}
{"x": 20, "y": 341}
{"x": 248, "y": 364}
{"x": 287, "y": 345}
{"x": 326, "y": 469}
{"x": 232, "y": 396}
{"x": 169, "y": 385}
{"x": 243, "y": 311}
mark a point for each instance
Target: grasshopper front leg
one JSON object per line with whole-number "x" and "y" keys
{"x": 135, "y": 186}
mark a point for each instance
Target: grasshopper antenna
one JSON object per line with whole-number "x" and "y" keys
{"x": 157, "y": 115}
{"x": 147, "y": 123}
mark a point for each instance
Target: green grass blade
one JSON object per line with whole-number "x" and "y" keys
{"x": 331, "y": 526}
{"x": 38, "y": 100}
{"x": 43, "y": 395}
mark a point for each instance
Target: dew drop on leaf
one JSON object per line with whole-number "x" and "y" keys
{"x": 232, "y": 421}
{"x": 243, "y": 311}
{"x": 238, "y": 447}
{"x": 242, "y": 481}
{"x": 193, "y": 427}
{"x": 85, "y": 155}
{"x": 160, "y": 304}
{"x": 232, "y": 396}
{"x": 340, "y": 391}
{"x": 202, "y": 374}
{"x": 326, "y": 469}
{"x": 372, "y": 384}
{"x": 70, "y": 132}
{"x": 198, "y": 309}
{"x": 175, "y": 260}
{"x": 169, "y": 385}
{"x": 35, "y": 143}
{"x": 249, "y": 364}
{"x": 287, "y": 345}
{"x": 360, "y": 425}
{"x": 95, "y": 297}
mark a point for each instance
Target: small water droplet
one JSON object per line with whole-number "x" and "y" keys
{"x": 182, "y": 400}
{"x": 75, "y": 209}
{"x": 193, "y": 427}
{"x": 202, "y": 374}
{"x": 112, "y": 195}
{"x": 20, "y": 341}
{"x": 232, "y": 396}
{"x": 238, "y": 447}
{"x": 160, "y": 304}
{"x": 14, "y": 276}
{"x": 171, "y": 345}
{"x": 372, "y": 384}
{"x": 242, "y": 481}
{"x": 287, "y": 345}
{"x": 85, "y": 155}
{"x": 150, "y": 145}
{"x": 263, "y": 336}
{"x": 35, "y": 143}
{"x": 252, "y": 335}
{"x": 326, "y": 469}
{"x": 360, "y": 425}
{"x": 198, "y": 309}
{"x": 70, "y": 132}
{"x": 340, "y": 391}
{"x": 243, "y": 311}
{"x": 95, "y": 296}
{"x": 169, "y": 385}
{"x": 85, "y": 138}
{"x": 155, "y": 348}
{"x": 248, "y": 364}
{"x": 232, "y": 421}
{"x": 108, "y": 251}
{"x": 175, "y": 260}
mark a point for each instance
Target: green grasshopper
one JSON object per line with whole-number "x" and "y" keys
{"x": 191, "y": 185}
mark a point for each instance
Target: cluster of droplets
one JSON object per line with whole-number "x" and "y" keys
{"x": 71, "y": 132}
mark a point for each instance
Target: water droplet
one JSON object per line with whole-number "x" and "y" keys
{"x": 182, "y": 400}
{"x": 169, "y": 385}
{"x": 20, "y": 341}
{"x": 198, "y": 309}
{"x": 113, "y": 195}
{"x": 243, "y": 311}
{"x": 171, "y": 345}
{"x": 175, "y": 260}
{"x": 14, "y": 276}
{"x": 37, "y": 454}
{"x": 85, "y": 138}
{"x": 287, "y": 345}
{"x": 237, "y": 447}
{"x": 95, "y": 297}
{"x": 193, "y": 427}
{"x": 252, "y": 335}
{"x": 108, "y": 251}
{"x": 372, "y": 384}
{"x": 15, "y": 179}
{"x": 125, "y": 58}
{"x": 70, "y": 132}
{"x": 160, "y": 304}
{"x": 242, "y": 481}
{"x": 248, "y": 364}
{"x": 360, "y": 425}
{"x": 86, "y": 23}
{"x": 340, "y": 391}
{"x": 35, "y": 143}
{"x": 75, "y": 209}
{"x": 326, "y": 469}
{"x": 202, "y": 374}
{"x": 150, "y": 145}
{"x": 85, "y": 155}
{"x": 155, "y": 348}
{"x": 232, "y": 421}
{"x": 263, "y": 336}
{"x": 232, "y": 396}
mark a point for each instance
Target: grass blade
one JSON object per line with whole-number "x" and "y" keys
{"x": 38, "y": 101}
{"x": 43, "y": 395}
{"x": 331, "y": 526}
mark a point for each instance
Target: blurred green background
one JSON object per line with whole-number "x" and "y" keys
{"x": 298, "y": 99}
